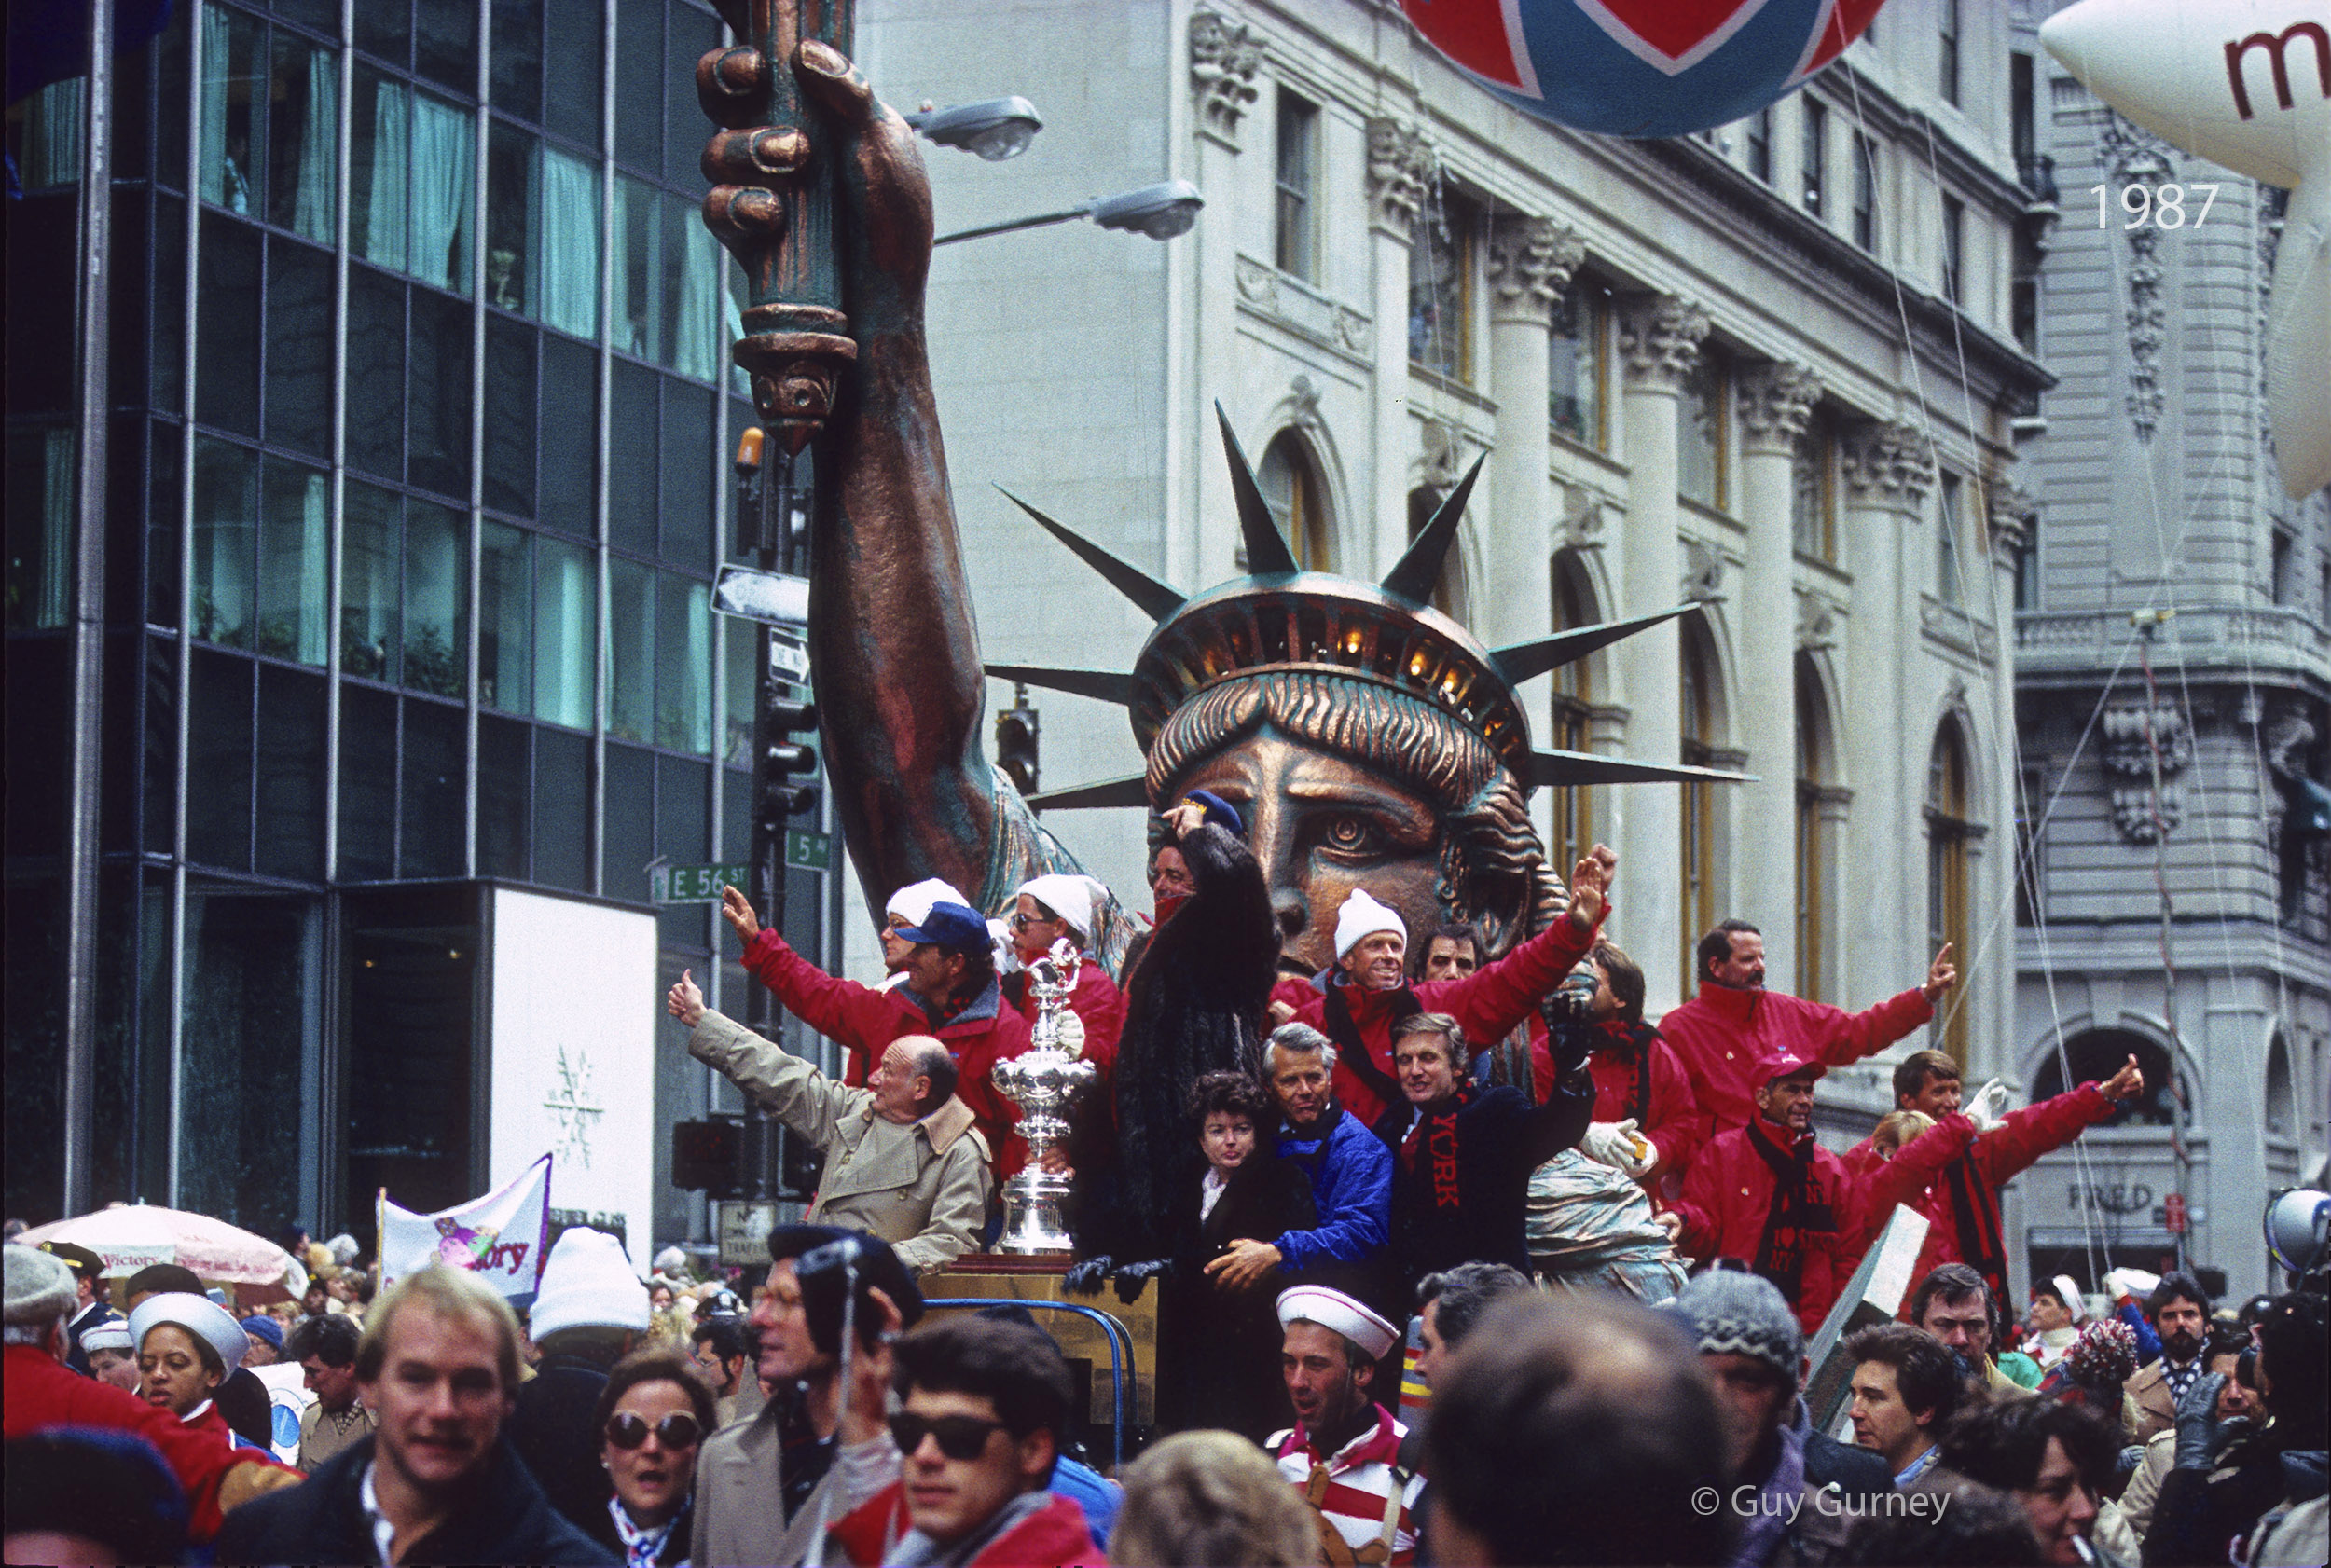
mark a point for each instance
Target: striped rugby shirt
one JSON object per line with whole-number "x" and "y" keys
{"x": 1360, "y": 1489}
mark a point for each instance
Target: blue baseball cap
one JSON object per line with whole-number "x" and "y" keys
{"x": 1218, "y": 811}
{"x": 957, "y": 927}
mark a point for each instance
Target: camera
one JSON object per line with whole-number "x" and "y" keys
{"x": 1568, "y": 1011}
{"x": 829, "y": 1275}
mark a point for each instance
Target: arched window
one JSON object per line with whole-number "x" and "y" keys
{"x": 2095, "y": 1056}
{"x": 1289, "y": 481}
{"x": 2282, "y": 1103}
{"x": 1573, "y": 706}
{"x": 1949, "y": 828}
{"x": 1814, "y": 752}
{"x": 1698, "y": 669}
{"x": 1448, "y": 595}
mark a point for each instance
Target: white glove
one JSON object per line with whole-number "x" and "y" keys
{"x": 2133, "y": 1283}
{"x": 1989, "y": 1107}
{"x": 1618, "y": 1144}
{"x": 1072, "y": 1034}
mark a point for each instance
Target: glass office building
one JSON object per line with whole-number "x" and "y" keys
{"x": 419, "y": 415}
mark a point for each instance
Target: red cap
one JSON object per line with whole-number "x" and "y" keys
{"x": 1785, "y": 1064}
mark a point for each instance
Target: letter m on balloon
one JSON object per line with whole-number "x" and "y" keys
{"x": 2277, "y": 46}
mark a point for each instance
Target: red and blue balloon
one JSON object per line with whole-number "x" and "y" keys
{"x": 1641, "y": 67}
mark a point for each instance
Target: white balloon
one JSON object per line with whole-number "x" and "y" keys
{"x": 2245, "y": 84}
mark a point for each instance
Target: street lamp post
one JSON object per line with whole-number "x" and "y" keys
{"x": 1162, "y": 212}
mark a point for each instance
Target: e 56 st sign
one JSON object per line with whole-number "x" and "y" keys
{"x": 805, "y": 850}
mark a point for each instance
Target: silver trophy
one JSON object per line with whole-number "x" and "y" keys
{"x": 1044, "y": 1081}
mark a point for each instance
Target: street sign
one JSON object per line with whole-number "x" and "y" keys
{"x": 693, "y": 884}
{"x": 2175, "y": 1207}
{"x": 744, "y": 1231}
{"x": 789, "y": 660}
{"x": 772, "y": 598}
{"x": 808, "y": 850}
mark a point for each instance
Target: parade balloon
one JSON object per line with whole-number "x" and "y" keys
{"x": 2245, "y": 84}
{"x": 1640, "y": 67}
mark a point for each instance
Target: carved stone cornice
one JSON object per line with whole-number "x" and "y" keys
{"x": 1224, "y": 58}
{"x": 1776, "y": 403}
{"x": 1816, "y": 623}
{"x": 1530, "y": 263}
{"x": 1888, "y": 464}
{"x": 2133, "y": 736}
{"x": 1399, "y": 162}
{"x": 1660, "y": 337}
{"x": 2014, "y": 511}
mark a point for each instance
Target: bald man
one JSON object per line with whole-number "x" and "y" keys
{"x": 903, "y": 1159}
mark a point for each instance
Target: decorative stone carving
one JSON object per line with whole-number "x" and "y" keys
{"x": 2132, "y": 735}
{"x": 1888, "y": 463}
{"x": 1703, "y": 572}
{"x": 1399, "y": 163}
{"x": 1303, "y": 401}
{"x": 1449, "y": 450}
{"x": 2133, "y": 156}
{"x": 1258, "y": 284}
{"x": 1776, "y": 403}
{"x": 1660, "y": 337}
{"x": 1816, "y": 624}
{"x": 2014, "y": 513}
{"x": 1352, "y": 329}
{"x": 1585, "y": 513}
{"x": 1530, "y": 263}
{"x": 1224, "y": 58}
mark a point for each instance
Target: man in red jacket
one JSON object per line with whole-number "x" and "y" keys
{"x": 1734, "y": 1023}
{"x": 1357, "y": 1003}
{"x": 1962, "y": 1204}
{"x": 950, "y": 991}
{"x": 41, "y": 1393}
{"x": 1767, "y": 1195}
{"x": 981, "y": 1404}
{"x": 1646, "y": 1123}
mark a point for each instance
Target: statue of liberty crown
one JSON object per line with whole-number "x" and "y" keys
{"x": 1279, "y": 616}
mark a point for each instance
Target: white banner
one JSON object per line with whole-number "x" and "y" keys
{"x": 501, "y": 1237}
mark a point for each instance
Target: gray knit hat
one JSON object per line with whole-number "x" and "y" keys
{"x": 1734, "y": 1314}
{"x": 40, "y": 1286}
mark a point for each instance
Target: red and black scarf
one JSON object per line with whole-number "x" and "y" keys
{"x": 1799, "y": 1210}
{"x": 1350, "y": 1048}
{"x": 1429, "y": 1154}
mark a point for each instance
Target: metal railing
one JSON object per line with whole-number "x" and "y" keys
{"x": 1120, "y": 1353}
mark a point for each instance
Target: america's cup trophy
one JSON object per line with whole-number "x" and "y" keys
{"x": 1044, "y": 1081}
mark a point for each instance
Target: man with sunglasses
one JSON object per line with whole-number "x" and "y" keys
{"x": 981, "y": 1404}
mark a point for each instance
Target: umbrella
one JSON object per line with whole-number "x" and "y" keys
{"x": 133, "y": 1235}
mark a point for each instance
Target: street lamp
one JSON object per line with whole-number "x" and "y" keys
{"x": 1160, "y": 210}
{"x": 995, "y": 128}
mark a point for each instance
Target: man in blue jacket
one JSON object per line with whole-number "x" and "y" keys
{"x": 1351, "y": 1181}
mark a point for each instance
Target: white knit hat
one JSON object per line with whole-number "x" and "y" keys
{"x": 40, "y": 1287}
{"x": 112, "y": 1334}
{"x": 1363, "y": 917}
{"x": 912, "y": 903}
{"x": 1339, "y": 1313}
{"x": 196, "y": 1314}
{"x": 588, "y": 1283}
{"x": 1069, "y": 897}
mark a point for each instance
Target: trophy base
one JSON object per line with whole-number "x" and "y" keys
{"x": 1034, "y": 1222}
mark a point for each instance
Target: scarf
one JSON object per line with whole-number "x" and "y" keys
{"x": 639, "y": 1547}
{"x": 1760, "y": 1532}
{"x": 1980, "y": 1244}
{"x": 1352, "y": 1050}
{"x": 1309, "y": 1159}
{"x": 1797, "y": 1212}
{"x": 1433, "y": 1135}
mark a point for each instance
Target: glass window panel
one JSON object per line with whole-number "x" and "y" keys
{"x": 638, "y": 83}
{"x": 686, "y": 503}
{"x": 1946, "y": 570}
{"x": 740, "y": 646}
{"x": 684, "y": 666}
{"x": 506, "y": 184}
{"x": 509, "y": 416}
{"x": 379, "y": 153}
{"x": 431, "y": 830}
{"x": 566, "y": 632}
{"x": 251, "y": 1016}
{"x": 40, "y": 529}
{"x": 324, "y": 15}
{"x": 515, "y": 67}
{"x": 303, "y": 130}
{"x": 631, "y": 822}
{"x": 445, "y": 149}
{"x": 502, "y": 796}
{"x": 173, "y": 78}
{"x": 234, "y": 111}
{"x": 290, "y": 793}
{"x": 569, "y": 443}
{"x": 1700, "y": 434}
{"x": 574, "y": 57}
{"x": 51, "y": 144}
{"x": 695, "y": 269}
{"x": 636, "y": 270}
{"x": 736, "y": 816}
{"x": 299, "y": 349}
{"x": 436, "y": 577}
{"x": 385, "y": 28}
{"x": 693, "y": 33}
{"x": 376, "y": 373}
{"x": 219, "y": 756}
{"x": 506, "y": 617}
{"x": 369, "y": 527}
{"x": 167, "y": 349}
{"x": 1575, "y": 365}
{"x": 1298, "y": 125}
{"x": 565, "y": 274}
{"x": 1440, "y": 288}
{"x": 295, "y": 549}
{"x": 162, "y": 525}
{"x": 368, "y": 848}
{"x": 445, "y": 43}
{"x": 563, "y": 810}
{"x": 630, "y": 651}
{"x": 684, "y": 832}
{"x": 439, "y": 410}
{"x": 226, "y": 394}
{"x": 226, "y": 528}
{"x": 160, "y": 752}
{"x": 632, "y": 424}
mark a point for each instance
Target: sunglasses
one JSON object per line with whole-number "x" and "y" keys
{"x": 1020, "y": 922}
{"x": 960, "y": 1437}
{"x": 677, "y": 1431}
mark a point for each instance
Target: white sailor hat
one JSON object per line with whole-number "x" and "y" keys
{"x": 1339, "y": 1313}
{"x": 113, "y": 1334}
{"x": 198, "y": 1316}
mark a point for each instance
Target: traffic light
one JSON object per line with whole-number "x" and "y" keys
{"x": 790, "y": 727}
{"x": 1017, "y": 732}
{"x": 707, "y": 1156}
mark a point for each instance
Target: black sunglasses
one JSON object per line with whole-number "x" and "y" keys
{"x": 960, "y": 1437}
{"x": 676, "y": 1431}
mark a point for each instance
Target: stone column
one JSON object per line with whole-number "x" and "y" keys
{"x": 1399, "y": 161}
{"x": 1530, "y": 263}
{"x": 1659, "y": 341}
{"x": 1888, "y": 471}
{"x": 1224, "y": 58}
{"x": 1776, "y": 402}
